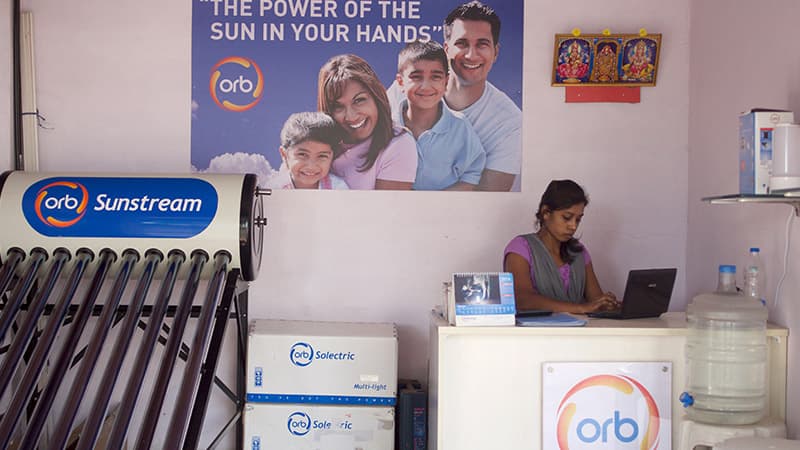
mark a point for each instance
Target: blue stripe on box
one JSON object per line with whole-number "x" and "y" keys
{"x": 470, "y": 310}
{"x": 321, "y": 399}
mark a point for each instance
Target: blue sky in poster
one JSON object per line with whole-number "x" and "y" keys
{"x": 289, "y": 40}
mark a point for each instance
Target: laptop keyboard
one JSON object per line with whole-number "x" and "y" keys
{"x": 606, "y": 314}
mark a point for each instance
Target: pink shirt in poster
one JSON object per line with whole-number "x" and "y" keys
{"x": 397, "y": 162}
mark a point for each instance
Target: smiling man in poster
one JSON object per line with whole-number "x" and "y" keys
{"x": 472, "y": 33}
{"x": 472, "y": 44}
{"x": 255, "y": 62}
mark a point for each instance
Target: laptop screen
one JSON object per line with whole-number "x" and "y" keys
{"x": 648, "y": 292}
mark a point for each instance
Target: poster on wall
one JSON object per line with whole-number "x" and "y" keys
{"x": 606, "y": 405}
{"x": 359, "y": 94}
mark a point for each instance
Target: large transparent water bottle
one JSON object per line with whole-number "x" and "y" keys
{"x": 726, "y": 358}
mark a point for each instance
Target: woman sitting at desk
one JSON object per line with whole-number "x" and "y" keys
{"x": 553, "y": 270}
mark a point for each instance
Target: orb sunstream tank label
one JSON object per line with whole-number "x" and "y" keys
{"x": 90, "y": 207}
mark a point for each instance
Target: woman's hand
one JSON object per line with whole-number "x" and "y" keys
{"x": 606, "y": 302}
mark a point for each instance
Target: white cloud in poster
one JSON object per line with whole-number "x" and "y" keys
{"x": 241, "y": 162}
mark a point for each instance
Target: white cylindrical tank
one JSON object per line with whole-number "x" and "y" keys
{"x": 186, "y": 212}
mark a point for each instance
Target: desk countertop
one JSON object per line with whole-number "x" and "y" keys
{"x": 670, "y": 323}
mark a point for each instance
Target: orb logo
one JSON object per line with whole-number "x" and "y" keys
{"x": 299, "y": 423}
{"x": 301, "y": 354}
{"x": 634, "y": 420}
{"x": 236, "y": 83}
{"x": 61, "y": 204}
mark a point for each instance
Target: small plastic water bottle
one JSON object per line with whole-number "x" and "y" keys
{"x": 754, "y": 277}
{"x": 727, "y": 279}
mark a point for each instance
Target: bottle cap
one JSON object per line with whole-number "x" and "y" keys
{"x": 754, "y": 249}
{"x": 727, "y": 268}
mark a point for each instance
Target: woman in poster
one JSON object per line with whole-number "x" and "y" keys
{"x": 375, "y": 154}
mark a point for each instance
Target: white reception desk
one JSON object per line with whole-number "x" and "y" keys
{"x": 485, "y": 382}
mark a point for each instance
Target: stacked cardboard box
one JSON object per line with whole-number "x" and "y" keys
{"x": 320, "y": 385}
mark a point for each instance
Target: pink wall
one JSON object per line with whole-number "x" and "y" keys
{"x": 743, "y": 54}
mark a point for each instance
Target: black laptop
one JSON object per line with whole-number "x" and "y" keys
{"x": 647, "y": 294}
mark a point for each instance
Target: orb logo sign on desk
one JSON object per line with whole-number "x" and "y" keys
{"x": 606, "y": 405}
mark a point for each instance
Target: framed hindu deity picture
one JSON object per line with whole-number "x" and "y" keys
{"x": 606, "y": 59}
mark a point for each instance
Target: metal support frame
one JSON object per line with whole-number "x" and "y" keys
{"x": 210, "y": 365}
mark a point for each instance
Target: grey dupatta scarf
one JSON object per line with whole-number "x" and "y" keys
{"x": 547, "y": 276}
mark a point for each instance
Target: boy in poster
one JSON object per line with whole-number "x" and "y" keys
{"x": 451, "y": 156}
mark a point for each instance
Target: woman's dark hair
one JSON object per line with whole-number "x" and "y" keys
{"x": 562, "y": 194}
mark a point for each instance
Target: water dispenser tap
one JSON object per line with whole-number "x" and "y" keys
{"x": 686, "y": 399}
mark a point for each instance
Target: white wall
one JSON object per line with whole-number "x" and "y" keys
{"x": 743, "y": 55}
{"x": 113, "y": 81}
{"x": 114, "y": 84}
{"x": 109, "y": 111}
{"x": 322, "y": 250}
{"x": 631, "y": 157}
{"x": 117, "y": 95}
